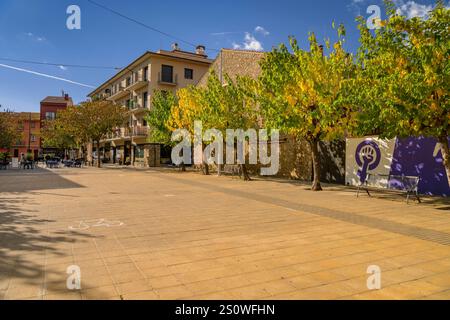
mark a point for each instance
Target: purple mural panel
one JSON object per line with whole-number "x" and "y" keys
{"x": 421, "y": 157}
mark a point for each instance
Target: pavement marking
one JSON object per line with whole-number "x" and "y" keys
{"x": 87, "y": 224}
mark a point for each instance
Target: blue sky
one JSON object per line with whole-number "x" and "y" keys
{"x": 36, "y": 30}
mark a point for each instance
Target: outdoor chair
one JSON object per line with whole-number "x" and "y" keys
{"x": 28, "y": 165}
{"x": 78, "y": 163}
{"x": 52, "y": 164}
{"x": 4, "y": 165}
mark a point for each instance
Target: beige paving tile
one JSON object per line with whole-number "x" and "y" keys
{"x": 164, "y": 282}
{"x": 148, "y": 295}
{"x": 99, "y": 293}
{"x": 174, "y": 293}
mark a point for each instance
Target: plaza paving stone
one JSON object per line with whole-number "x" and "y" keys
{"x": 161, "y": 234}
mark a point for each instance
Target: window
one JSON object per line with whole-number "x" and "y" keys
{"x": 167, "y": 74}
{"x": 145, "y": 73}
{"x": 33, "y": 138}
{"x": 189, "y": 74}
{"x": 33, "y": 124}
{"x": 50, "y": 115}
{"x": 20, "y": 126}
{"x": 128, "y": 81}
{"x": 145, "y": 99}
{"x": 144, "y": 123}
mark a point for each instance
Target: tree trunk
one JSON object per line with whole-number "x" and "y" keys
{"x": 244, "y": 173}
{"x": 99, "y": 162}
{"x": 316, "y": 164}
{"x": 183, "y": 167}
{"x": 205, "y": 166}
{"x": 205, "y": 169}
{"x": 445, "y": 155}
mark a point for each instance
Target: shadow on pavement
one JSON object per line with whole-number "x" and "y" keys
{"x": 17, "y": 180}
{"x": 25, "y": 240}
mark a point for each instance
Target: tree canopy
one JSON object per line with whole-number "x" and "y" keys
{"x": 300, "y": 92}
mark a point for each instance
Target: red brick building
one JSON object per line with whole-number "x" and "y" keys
{"x": 50, "y": 107}
{"x": 29, "y": 141}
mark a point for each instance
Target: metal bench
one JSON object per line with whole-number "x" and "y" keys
{"x": 233, "y": 170}
{"x": 408, "y": 184}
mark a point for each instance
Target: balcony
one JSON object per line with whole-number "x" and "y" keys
{"x": 126, "y": 133}
{"x": 140, "y": 131}
{"x": 119, "y": 94}
{"x": 173, "y": 81}
{"x": 138, "y": 83}
{"x": 137, "y": 108}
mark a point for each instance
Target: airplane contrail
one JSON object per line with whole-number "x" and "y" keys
{"x": 46, "y": 75}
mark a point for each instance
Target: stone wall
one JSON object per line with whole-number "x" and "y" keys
{"x": 152, "y": 155}
{"x": 295, "y": 159}
{"x": 332, "y": 155}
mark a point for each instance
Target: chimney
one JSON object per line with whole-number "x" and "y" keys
{"x": 66, "y": 96}
{"x": 175, "y": 47}
{"x": 200, "y": 50}
{"x": 321, "y": 49}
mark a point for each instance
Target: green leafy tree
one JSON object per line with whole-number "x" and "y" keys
{"x": 89, "y": 121}
{"x": 162, "y": 102}
{"x": 403, "y": 79}
{"x": 56, "y": 133}
{"x": 96, "y": 119}
{"x": 9, "y": 132}
{"x": 300, "y": 93}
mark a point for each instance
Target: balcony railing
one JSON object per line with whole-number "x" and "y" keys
{"x": 137, "y": 83}
{"x": 128, "y": 132}
{"x": 170, "y": 82}
{"x": 140, "y": 131}
{"x": 118, "y": 94}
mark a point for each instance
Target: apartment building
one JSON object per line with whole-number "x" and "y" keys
{"x": 133, "y": 87}
{"x": 29, "y": 127}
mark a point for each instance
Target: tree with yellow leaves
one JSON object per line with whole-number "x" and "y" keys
{"x": 300, "y": 93}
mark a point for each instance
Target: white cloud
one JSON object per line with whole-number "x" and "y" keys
{"x": 411, "y": 9}
{"x": 250, "y": 43}
{"x": 355, "y": 7}
{"x": 223, "y": 33}
{"x": 34, "y": 37}
{"x": 261, "y": 30}
{"x": 63, "y": 68}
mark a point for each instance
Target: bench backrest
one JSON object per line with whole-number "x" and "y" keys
{"x": 409, "y": 183}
